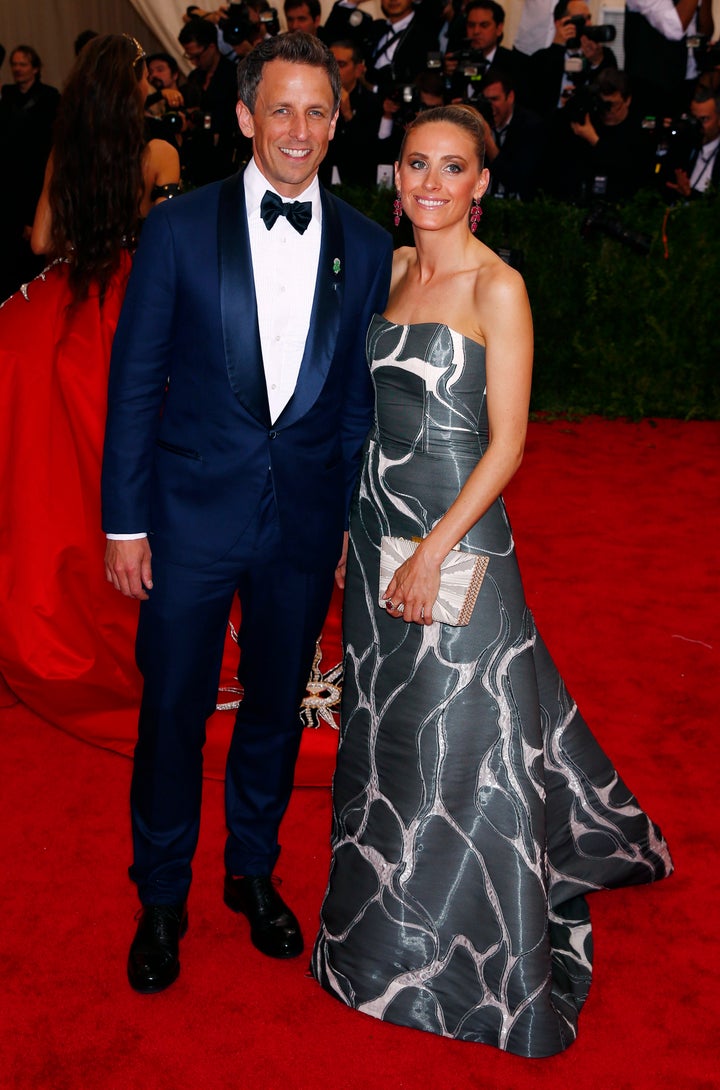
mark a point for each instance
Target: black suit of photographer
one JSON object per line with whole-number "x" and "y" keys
{"x": 411, "y": 52}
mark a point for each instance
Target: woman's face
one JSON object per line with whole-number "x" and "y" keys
{"x": 439, "y": 175}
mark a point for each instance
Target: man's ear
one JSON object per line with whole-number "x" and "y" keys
{"x": 245, "y": 120}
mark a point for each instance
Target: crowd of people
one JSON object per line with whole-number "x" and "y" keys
{"x": 285, "y": 396}
{"x": 561, "y": 120}
{"x": 559, "y": 116}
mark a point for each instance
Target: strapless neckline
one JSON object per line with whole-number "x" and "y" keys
{"x": 429, "y": 325}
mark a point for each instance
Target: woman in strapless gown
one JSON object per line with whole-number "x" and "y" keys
{"x": 472, "y": 807}
{"x": 65, "y": 638}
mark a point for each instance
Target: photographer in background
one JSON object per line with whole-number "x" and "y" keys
{"x": 165, "y": 117}
{"x": 210, "y": 146}
{"x": 303, "y": 15}
{"x": 346, "y": 22}
{"x": 703, "y": 168}
{"x": 658, "y": 55}
{"x": 570, "y": 61}
{"x": 513, "y": 140}
{"x": 472, "y": 55}
{"x": 399, "y": 44}
{"x": 351, "y": 155}
{"x": 612, "y": 154}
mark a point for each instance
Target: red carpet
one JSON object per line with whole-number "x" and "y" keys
{"x": 617, "y": 528}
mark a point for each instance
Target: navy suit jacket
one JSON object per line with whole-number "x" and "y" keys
{"x": 189, "y": 440}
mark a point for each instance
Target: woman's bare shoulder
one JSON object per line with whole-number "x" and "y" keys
{"x": 496, "y": 281}
{"x": 402, "y": 261}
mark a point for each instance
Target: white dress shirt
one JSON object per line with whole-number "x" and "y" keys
{"x": 392, "y": 36}
{"x": 701, "y": 175}
{"x": 285, "y": 267}
{"x": 662, "y": 15}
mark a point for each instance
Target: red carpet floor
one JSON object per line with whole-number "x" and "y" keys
{"x": 617, "y": 528}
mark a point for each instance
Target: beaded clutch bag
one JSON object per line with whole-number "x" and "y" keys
{"x": 461, "y": 576}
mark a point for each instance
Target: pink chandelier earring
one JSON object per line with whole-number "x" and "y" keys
{"x": 397, "y": 209}
{"x": 475, "y": 214}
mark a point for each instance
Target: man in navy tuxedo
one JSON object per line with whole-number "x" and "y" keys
{"x": 238, "y": 405}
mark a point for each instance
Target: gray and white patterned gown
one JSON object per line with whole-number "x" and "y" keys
{"x": 473, "y": 808}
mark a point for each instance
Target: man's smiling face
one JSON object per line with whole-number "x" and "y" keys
{"x": 291, "y": 125}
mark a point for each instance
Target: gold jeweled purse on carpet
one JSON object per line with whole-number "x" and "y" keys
{"x": 461, "y": 576}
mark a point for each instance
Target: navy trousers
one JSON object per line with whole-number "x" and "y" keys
{"x": 180, "y": 641}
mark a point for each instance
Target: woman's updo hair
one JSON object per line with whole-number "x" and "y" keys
{"x": 464, "y": 117}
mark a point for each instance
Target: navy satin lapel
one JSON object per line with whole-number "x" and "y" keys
{"x": 325, "y": 318}
{"x": 238, "y": 307}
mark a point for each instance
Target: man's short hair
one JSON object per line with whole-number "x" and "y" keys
{"x": 296, "y": 47}
{"x": 612, "y": 81}
{"x": 313, "y": 7}
{"x": 167, "y": 58}
{"x": 560, "y": 9}
{"x": 83, "y": 38}
{"x": 495, "y": 9}
{"x": 501, "y": 76}
{"x": 704, "y": 93}
{"x": 200, "y": 31}
{"x": 356, "y": 50}
{"x": 430, "y": 83}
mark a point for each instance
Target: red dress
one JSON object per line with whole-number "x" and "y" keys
{"x": 67, "y": 637}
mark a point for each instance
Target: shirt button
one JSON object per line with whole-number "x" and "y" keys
{"x": 272, "y": 435}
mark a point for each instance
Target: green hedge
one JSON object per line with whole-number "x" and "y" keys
{"x": 616, "y": 332}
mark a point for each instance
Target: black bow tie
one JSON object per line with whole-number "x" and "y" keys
{"x": 299, "y": 213}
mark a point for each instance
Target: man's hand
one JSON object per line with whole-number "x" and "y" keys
{"x": 586, "y": 130}
{"x": 564, "y": 31}
{"x": 173, "y": 97}
{"x": 681, "y": 184}
{"x": 128, "y": 567}
{"x": 342, "y": 563}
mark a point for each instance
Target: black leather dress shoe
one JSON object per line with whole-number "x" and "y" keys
{"x": 274, "y": 930}
{"x": 153, "y": 962}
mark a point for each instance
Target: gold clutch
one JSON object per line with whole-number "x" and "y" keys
{"x": 461, "y": 576}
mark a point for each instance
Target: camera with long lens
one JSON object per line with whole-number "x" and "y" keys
{"x": 407, "y": 97}
{"x": 586, "y": 102}
{"x": 237, "y": 26}
{"x": 471, "y": 63}
{"x": 676, "y": 139}
{"x": 601, "y": 33}
{"x": 707, "y": 57}
{"x": 483, "y": 107}
{"x": 271, "y": 22}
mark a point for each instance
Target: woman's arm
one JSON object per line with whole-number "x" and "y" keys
{"x": 161, "y": 166}
{"x": 506, "y": 323}
{"x": 41, "y": 239}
